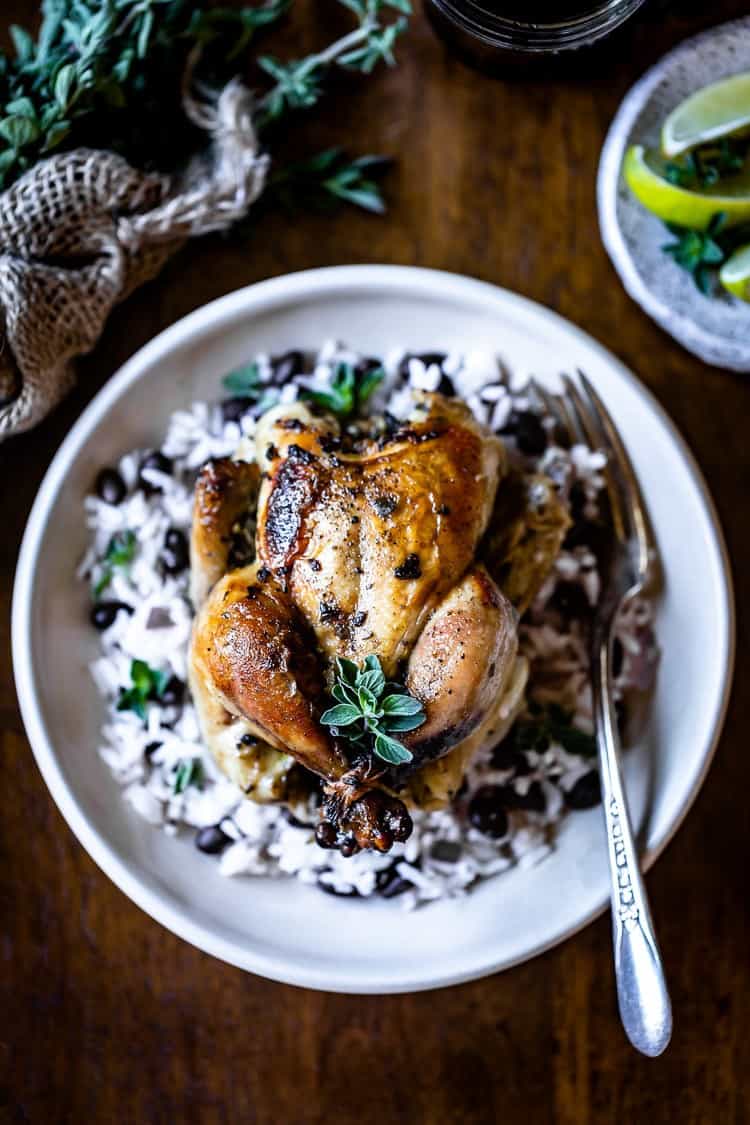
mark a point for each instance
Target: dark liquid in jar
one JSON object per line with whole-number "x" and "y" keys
{"x": 534, "y": 11}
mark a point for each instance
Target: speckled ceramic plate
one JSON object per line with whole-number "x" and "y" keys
{"x": 715, "y": 328}
{"x": 280, "y": 928}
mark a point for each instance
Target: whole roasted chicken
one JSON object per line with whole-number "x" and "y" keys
{"x": 370, "y": 551}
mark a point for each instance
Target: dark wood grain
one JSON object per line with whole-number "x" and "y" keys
{"x": 106, "y": 1017}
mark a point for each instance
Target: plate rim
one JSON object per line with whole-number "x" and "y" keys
{"x": 208, "y": 318}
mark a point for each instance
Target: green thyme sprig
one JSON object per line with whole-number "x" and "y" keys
{"x": 348, "y": 392}
{"x": 371, "y": 710}
{"x": 299, "y": 84}
{"x": 107, "y": 74}
{"x": 327, "y": 179}
{"x": 119, "y": 554}
{"x": 147, "y": 684}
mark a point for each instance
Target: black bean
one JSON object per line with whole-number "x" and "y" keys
{"x": 486, "y": 811}
{"x": 532, "y": 800}
{"x": 110, "y": 486}
{"x": 155, "y": 460}
{"x": 233, "y": 409}
{"x": 103, "y": 614}
{"x": 586, "y": 792}
{"x": 151, "y": 748}
{"x": 348, "y": 847}
{"x": 285, "y": 367}
{"x": 571, "y": 600}
{"x": 506, "y": 757}
{"x": 389, "y": 883}
{"x": 174, "y": 692}
{"x": 212, "y": 840}
{"x": 175, "y": 554}
{"x": 526, "y": 427}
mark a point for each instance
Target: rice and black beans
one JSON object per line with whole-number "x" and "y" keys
{"x": 513, "y": 797}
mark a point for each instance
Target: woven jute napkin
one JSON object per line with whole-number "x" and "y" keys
{"x": 81, "y": 230}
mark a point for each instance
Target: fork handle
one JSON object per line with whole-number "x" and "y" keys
{"x": 645, "y": 1008}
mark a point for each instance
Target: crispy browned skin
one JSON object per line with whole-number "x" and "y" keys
{"x": 460, "y": 663}
{"x": 224, "y": 492}
{"x": 369, "y": 543}
{"x": 367, "y": 552}
{"x": 255, "y": 670}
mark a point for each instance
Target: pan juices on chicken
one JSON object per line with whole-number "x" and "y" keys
{"x": 371, "y": 639}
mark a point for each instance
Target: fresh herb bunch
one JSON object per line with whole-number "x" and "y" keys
{"x": 120, "y": 553}
{"x": 349, "y": 391}
{"x": 548, "y": 725}
{"x": 147, "y": 684}
{"x": 371, "y": 710}
{"x": 108, "y": 73}
{"x": 702, "y": 253}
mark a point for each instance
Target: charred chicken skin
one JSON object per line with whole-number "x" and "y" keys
{"x": 373, "y": 551}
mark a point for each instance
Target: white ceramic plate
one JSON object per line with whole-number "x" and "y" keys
{"x": 282, "y": 929}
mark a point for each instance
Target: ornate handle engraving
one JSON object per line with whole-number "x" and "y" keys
{"x": 627, "y": 910}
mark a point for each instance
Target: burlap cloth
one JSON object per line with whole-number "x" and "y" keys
{"x": 81, "y": 230}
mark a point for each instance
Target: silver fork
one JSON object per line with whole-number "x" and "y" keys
{"x": 645, "y": 1007}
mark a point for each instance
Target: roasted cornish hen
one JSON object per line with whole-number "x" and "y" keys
{"x": 374, "y": 550}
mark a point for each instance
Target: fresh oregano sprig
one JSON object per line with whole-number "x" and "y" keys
{"x": 702, "y": 253}
{"x": 370, "y": 710}
{"x": 348, "y": 392}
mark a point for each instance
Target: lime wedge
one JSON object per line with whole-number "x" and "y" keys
{"x": 646, "y": 178}
{"x": 734, "y": 275}
{"x": 715, "y": 111}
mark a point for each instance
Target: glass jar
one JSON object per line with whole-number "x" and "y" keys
{"x": 495, "y": 33}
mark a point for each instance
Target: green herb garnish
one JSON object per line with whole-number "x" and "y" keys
{"x": 120, "y": 552}
{"x": 371, "y": 710}
{"x": 99, "y": 69}
{"x": 244, "y": 381}
{"x": 706, "y": 165}
{"x": 326, "y": 179}
{"x": 552, "y": 724}
{"x": 147, "y": 684}
{"x": 696, "y": 251}
{"x": 189, "y": 772}
{"x": 348, "y": 393}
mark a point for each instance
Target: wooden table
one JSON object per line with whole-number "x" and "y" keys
{"x": 106, "y": 1017}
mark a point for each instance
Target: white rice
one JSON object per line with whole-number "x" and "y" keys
{"x": 445, "y": 855}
